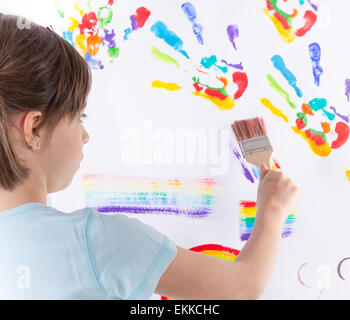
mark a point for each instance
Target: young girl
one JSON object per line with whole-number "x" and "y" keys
{"x": 47, "y": 254}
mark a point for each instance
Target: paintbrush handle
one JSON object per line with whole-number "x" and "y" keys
{"x": 264, "y": 156}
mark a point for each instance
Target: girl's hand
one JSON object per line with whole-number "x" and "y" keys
{"x": 277, "y": 194}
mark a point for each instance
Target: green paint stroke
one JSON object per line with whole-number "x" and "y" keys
{"x": 164, "y": 57}
{"x": 282, "y": 13}
{"x": 274, "y": 85}
{"x": 302, "y": 116}
{"x": 222, "y": 89}
{"x": 104, "y": 16}
{"x": 319, "y": 133}
{"x": 113, "y": 52}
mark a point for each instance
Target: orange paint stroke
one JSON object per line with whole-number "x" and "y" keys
{"x": 326, "y": 127}
{"x": 93, "y": 44}
{"x": 307, "y": 109}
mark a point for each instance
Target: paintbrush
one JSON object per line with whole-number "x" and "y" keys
{"x": 252, "y": 138}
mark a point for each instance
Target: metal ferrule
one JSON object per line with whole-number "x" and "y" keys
{"x": 255, "y": 145}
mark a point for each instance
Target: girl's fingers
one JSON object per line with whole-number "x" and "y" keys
{"x": 263, "y": 170}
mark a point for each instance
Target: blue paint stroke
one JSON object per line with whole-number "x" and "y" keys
{"x": 127, "y": 32}
{"x": 69, "y": 37}
{"x": 279, "y": 64}
{"x": 347, "y": 88}
{"x": 93, "y": 63}
{"x": 345, "y": 118}
{"x": 320, "y": 104}
{"x": 236, "y": 66}
{"x": 208, "y": 62}
{"x": 301, "y": 2}
{"x": 161, "y": 31}
{"x": 315, "y": 56}
{"x": 233, "y": 33}
{"x": 190, "y": 12}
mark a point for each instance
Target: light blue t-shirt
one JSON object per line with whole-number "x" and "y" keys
{"x": 49, "y": 254}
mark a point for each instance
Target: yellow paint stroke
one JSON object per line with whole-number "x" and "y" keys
{"x": 165, "y": 85}
{"x": 266, "y": 102}
{"x": 348, "y": 174}
{"x": 75, "y": 24}
{"x": 248, "y": 212}
{"x": 226, "y": 104}
{"x": 77, "y": 7}
{"x": 322, "y": 151}
{"x": 286, "y": 35}
{"x": 80, "y": 43}
{"x": 220, "y": 254}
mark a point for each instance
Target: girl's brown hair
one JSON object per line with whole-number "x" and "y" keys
{"x": 39, "y": 70}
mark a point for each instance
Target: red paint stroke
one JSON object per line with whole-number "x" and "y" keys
{"x": 89, "y": 21}
{"x": 317, "y": 138}
{"x": 241, "y": 79}
{"x": 216, "y": 247}
{"x": 282, "y": 20}
{"x": 142, "y": 14}
{"x": 307, "y": 109}
{"x": 197, "y": 87}
{"x": 276, "y": 164}
{"x": 247, "y": 204}
{"x": 300, "y": 124}
{"x": 343, "y": 134}
{"x": 310, "y": 18}
{"x": 215, "y": 93}
{"x": 269, "y": 5}
{"x": 110, "y": 2}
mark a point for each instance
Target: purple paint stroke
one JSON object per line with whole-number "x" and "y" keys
{"x": 199, "y": 213}
{"x": 315, "y": 56}
{"x": 345, "y": 118}
{"x": 236, "y": 66}
{"x": 109, "y": 37}
{"x": 233, "y": 33}
{"x": 134, "y": 23}
{"x": 93, "y": 63}
{"x": 314, "y": 6}
{"x": 246, "y": 171}
{"x": 347, "y": 88}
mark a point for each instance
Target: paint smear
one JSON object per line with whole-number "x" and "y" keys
{"x": 246, "y": 172}
{"x": 241, "y": 80}
{"x": 190, "y": 12}
{"x": 110, "y": 194}
{"x": 347, "y": 88}
{"x": 164, "y": 57}
{"x": 233, "y": 33}
{"x": 322, "y": 150}
{"x": 236, "y": 66}
{"x": 342, "y": 129}
{"x": 161, "y": 31}
{"x": 247, "y": 215}
{"x": 347, "y": 172}
{"x": 214, "y": 250}
{"x": 266, "y": 103}
{"x": 274, "y": 85}
{"x": 320, "y": 104}
{"x": 345, "y": 118}
{"x": 279, "y": 64}
{"x": 165, "y": 85}
{"x": 283, "y": 21}
{"x": 315, "y": 56}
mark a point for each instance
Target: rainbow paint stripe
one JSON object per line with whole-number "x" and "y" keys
{"x": 111, "y": 193}
{"x": 247, "y": 214}
{"x": 215, "y": 250}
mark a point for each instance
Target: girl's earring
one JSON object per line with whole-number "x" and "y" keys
{"x": 38, "y": 145}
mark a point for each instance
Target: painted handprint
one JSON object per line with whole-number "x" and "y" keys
{"x": 89, "y": 29}
{"x": 291, "y": 19}
{"x": 314, "y": 119}
{"x": 216, "y": 80}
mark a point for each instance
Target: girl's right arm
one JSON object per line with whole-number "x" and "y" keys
{"x": 193, "y": 275}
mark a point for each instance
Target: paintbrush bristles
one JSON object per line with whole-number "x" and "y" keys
{"x": 248, "y": 129}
